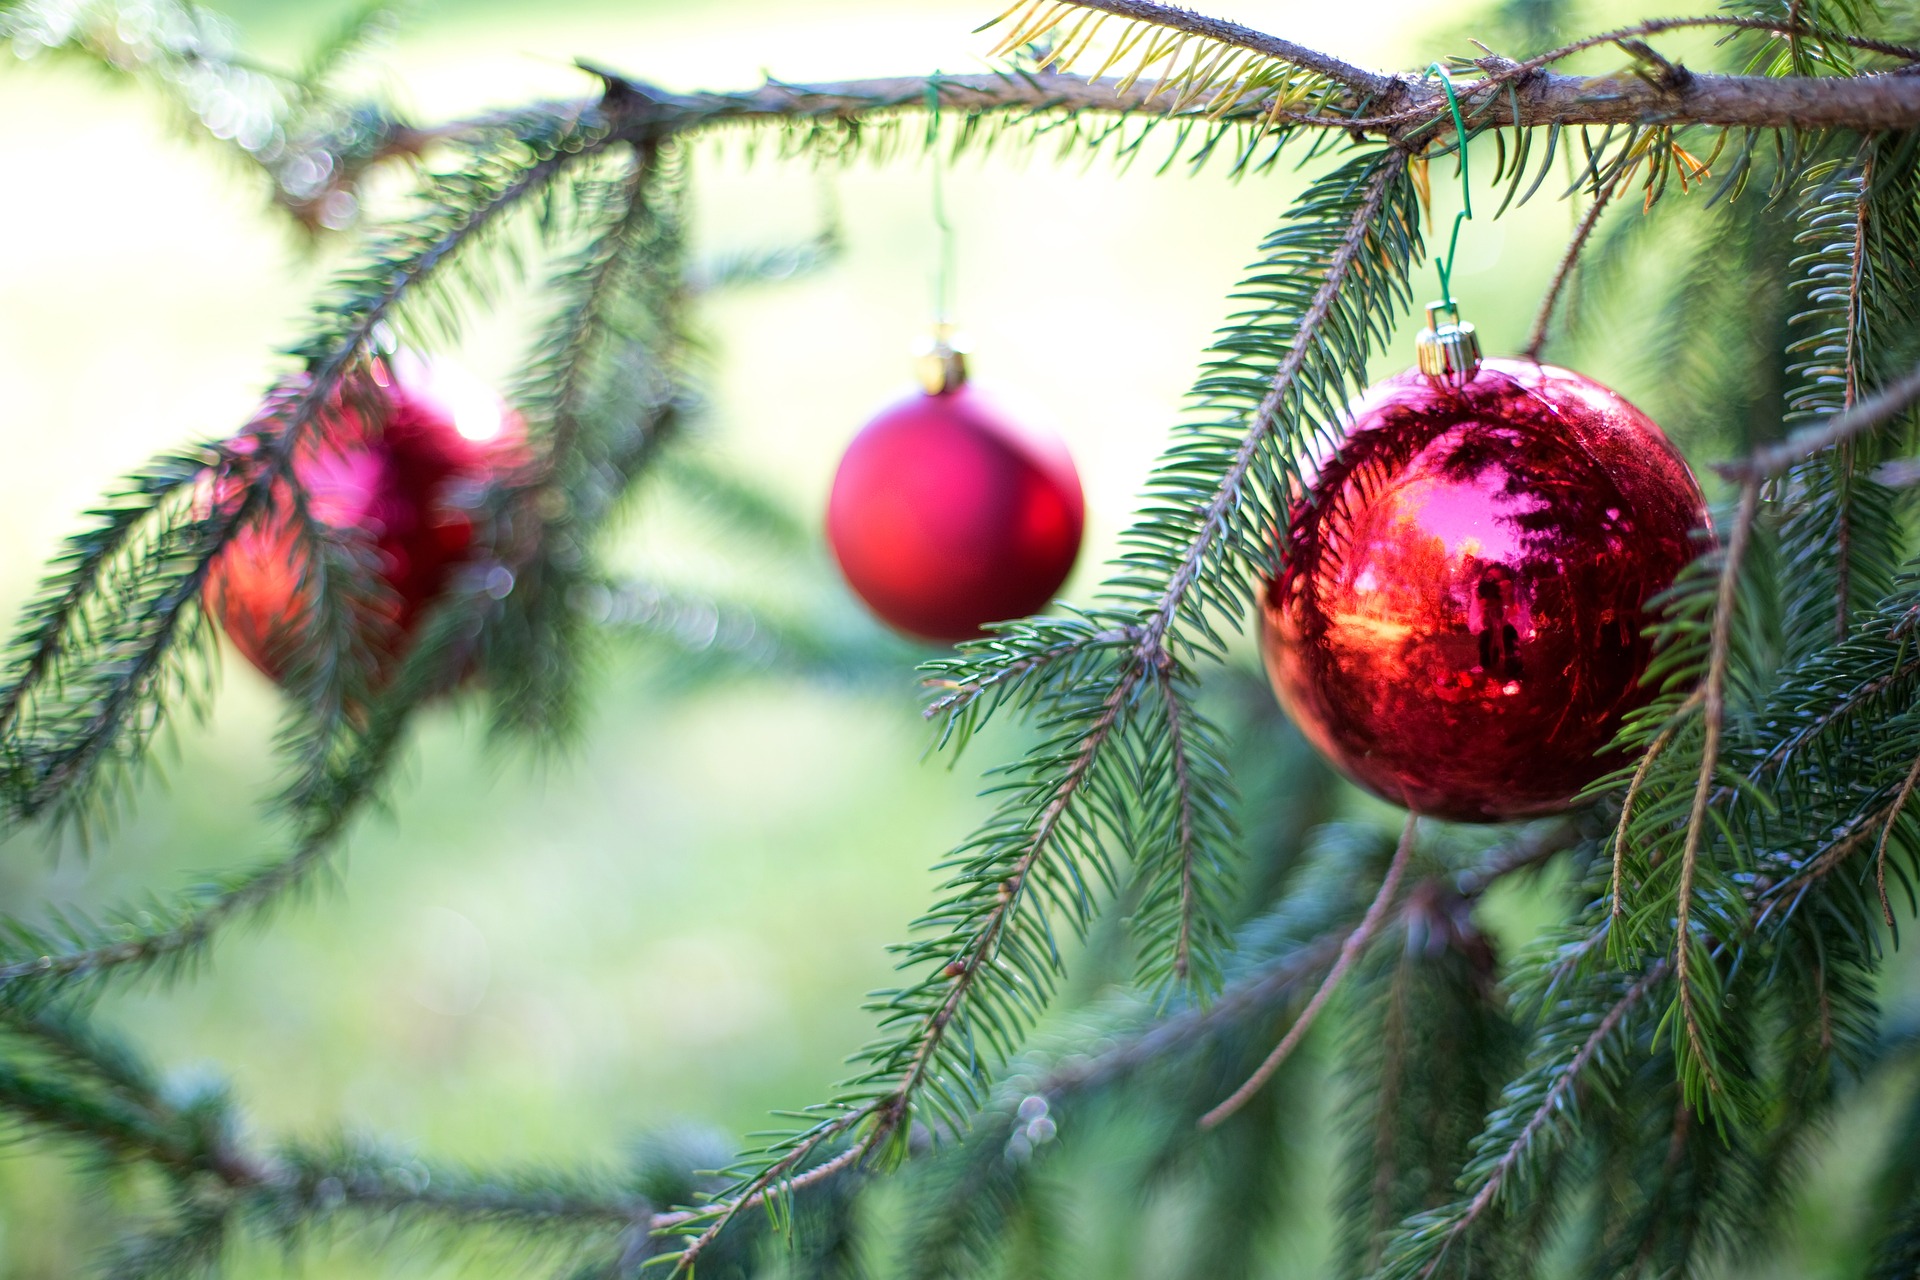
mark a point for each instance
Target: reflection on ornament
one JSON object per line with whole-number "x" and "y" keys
{"x": 1457, "y": 622}
{"x": 396, "y": 466}
{"x": 945, "y": 515}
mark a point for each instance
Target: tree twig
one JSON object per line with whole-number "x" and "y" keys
{"x": 1368, "y": 84}
{"x": 1771, "y": 460}
{"x": 1886, "y": 833}
{"x": 1653, "y": 751}
{"x": 1564, "y": 272}
{"x": 1551, "y": 1105}
{"x": 1350, "y": 951}
{"x": 1865, "y": 102}
{"x": 1183, "y": 791}
{"x": 1715, "y": 710}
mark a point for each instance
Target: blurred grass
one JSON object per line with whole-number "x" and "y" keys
{"x": 672, "y": 921}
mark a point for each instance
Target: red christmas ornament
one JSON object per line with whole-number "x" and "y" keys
{"x": 1457, "y": 623}
{"x": 945, "y": 515}
{"x": 400, "y": 462}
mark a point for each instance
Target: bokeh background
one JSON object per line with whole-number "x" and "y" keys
{"x": 667, "y": 925}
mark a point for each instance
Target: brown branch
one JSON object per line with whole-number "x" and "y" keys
{"x": 1771, "y": 26}
{"x": 1511, "y": 96}
{"x": 1367, "y": 84}
{"x": 1349, "y": 953}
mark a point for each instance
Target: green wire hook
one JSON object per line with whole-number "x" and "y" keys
{"x": 1445, "y": 267}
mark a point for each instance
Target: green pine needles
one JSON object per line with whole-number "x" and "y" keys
{"x": 1636, "y": 1094}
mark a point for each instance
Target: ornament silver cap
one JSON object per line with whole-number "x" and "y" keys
{"x": 1448, "y": 352}
{"x": 941, "y": 361}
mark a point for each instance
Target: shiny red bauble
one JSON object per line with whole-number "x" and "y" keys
{"x": 397, "y": 465}
{"x": 1457, "y": 623}
{"x": 945, "y": 515}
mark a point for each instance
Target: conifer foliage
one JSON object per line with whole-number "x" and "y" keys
{"x": 1637, "y": 1093}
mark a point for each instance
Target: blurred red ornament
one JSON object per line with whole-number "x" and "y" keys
{"x": 945, "y": 515}
{"x": 1457, "y": 623}
{"x": 398, "y": 462}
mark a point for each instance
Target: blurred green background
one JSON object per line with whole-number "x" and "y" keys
{"x": 671, "y": 922}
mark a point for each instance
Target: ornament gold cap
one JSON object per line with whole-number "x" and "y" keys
{"x": 941, "y": 361}
{"x": 1447, "y": 351}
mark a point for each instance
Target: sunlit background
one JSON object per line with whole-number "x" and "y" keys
{"x": 671, "y": 923}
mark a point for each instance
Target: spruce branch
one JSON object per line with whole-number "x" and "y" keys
{"x": 1183, "y": 786}
{"x": 289, "y": 125}
{"x": 1760, "y": 23}
{"x": 1517, "y": 94}
{"x": 992, "y": 953}
{"x": 1544, "y": 1098}
{"x": 1713, "y": 712}
{"x": 604, "y": 394}
{"x": 139, "y": 938}
{"x": 58, "y": 611}
{"x": 977, "y": 1185}
{"x": 112, "y": 1102}
{"x": 1350, "y": 951}
{"x": 957, "y": 697}
{"x": 1659, "y": 744}
{"x": 1886, "y": 833}
{"x": 1833, "y": 717}
{"x": 1877, "y": 409}
{"x": 110, "y": 701}
{"x": 1210, "y": 31}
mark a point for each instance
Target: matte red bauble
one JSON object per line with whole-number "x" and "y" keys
{"x": 946, "y": 516}
{"x": 1457, "y": 622}
{"x": 399, "y": 465}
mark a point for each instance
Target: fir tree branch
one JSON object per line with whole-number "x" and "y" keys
{"x": 1850, "y": 393}
{"x": 1350, "y": 950}
{"x": 1553, "y": 1104}
{"x": 331, "y": 800}
{"x": 1842, "y": 708}
{"x": 957, "y": 696}
{"x": 1183, "y": 787}
{"x": 1770, "y": 26}
{"x": 66, "y": 750}
{"x": 57, "y": 612}
{"x": 778, "y": 1182}
{"x": 1886, "y": 833}
{"x": 1509, "y": 97}
{"x": 1772, "y": 460}
{"x": 1215, "y": 31}
{"x": 115, "y": 1105}
{"x": 1713, "y": 706}
{"x": 1255, "y": 993}
{"x": 1652, "y": 753}
{"x": 983, "y": 923}
{"x": 345, "y": 1174}
{"x": 1229, "y": 493}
